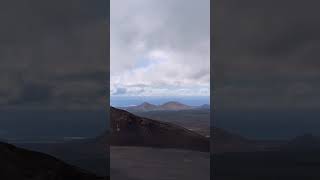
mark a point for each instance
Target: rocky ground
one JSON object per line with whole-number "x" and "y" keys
{"x": 141, "y": 163}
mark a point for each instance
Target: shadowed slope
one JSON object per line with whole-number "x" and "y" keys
{"x": 130, "y": 130}
{"x": 224, "y": 141}
{"x": 20, "y": 164}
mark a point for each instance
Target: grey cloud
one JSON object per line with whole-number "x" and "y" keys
{"x": 48, "y": 44}
{"x": 263, "y": 49}
{"x": 174, "y": 35}
{"x": 120, "y": 91}
{"x": 35, "y": 93}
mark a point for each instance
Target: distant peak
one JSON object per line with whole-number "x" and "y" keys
{"x": 173, "y": 105}
{"x": 145, "y": 106}
{"x": 173, "y": 102}
{"x": 146, "y": 103}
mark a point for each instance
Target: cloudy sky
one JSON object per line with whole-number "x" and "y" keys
{"x": 266, "y": 54}
{"x": 160, "y": 48}
{"x": 53, "y": 54}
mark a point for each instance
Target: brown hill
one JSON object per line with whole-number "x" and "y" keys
{"x": 143, "y": 107}
{"x": 169, "y": 106}
{"x": 174, "y": 106}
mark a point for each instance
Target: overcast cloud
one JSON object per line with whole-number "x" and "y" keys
{"x": 53, "y": 54}
{"x": 160, "y": 48}
{"x": 266, "y": 54}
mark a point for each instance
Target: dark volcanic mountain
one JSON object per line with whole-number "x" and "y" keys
{"x": 224, "y": 141}
{"x": 127, "y": 129}
{"x": 130, "y": 130}
{"x": 306, "y": 142}
{"x": 21, "y": 164}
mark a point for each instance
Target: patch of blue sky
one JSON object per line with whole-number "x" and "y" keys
{"x": 145, "y": 62}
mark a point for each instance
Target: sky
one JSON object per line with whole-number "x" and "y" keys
{"x": 266, "y": 54}
{"x": 160, "y": 48}
{"x": 53, "y": 54}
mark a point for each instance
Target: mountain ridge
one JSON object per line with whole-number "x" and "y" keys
{"x": 167, "y": 106}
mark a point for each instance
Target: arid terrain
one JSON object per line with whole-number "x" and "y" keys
{"x": 143, "y": 163}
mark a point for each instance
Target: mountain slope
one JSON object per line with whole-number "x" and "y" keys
{"x": 127, "y": 129}
{"x": 306, "y": 142}
{"x": 131, "y": 130}
{"x": 224, "y": 141}
{"x": 21, "y": 164}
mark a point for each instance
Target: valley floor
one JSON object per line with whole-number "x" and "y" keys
{"x": 141, "y": 163}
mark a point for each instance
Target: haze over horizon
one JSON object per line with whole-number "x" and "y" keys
{"x": 122, "y": 101}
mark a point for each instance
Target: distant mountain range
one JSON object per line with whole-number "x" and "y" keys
{"x": 168, "y": 106}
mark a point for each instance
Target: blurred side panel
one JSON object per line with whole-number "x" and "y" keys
{"x": 54, "y": 93}
{"x": 266, "y": 89}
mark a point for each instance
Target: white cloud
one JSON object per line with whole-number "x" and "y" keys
{"x": 160, "y": 47}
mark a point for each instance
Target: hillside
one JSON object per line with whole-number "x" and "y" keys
{"x": 20, "y": 164}
{"x": 197, "y": 120}
{"x": 128, "y": 129}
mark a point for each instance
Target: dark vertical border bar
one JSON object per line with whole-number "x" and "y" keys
{"x": 108, "y": 87}
{"x": 211, "y": 88}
